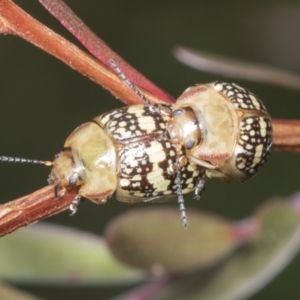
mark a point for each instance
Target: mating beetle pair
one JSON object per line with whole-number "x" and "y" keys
{"x": 160, "y": 152}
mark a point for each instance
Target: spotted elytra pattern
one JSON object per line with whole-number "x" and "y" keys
{"x": 241, "y": 98}
{"x": 131, "y": 122}
{"x": 144, "y": 170}
{"x": 254, "y": 140}
{"x": 146, "y": 156}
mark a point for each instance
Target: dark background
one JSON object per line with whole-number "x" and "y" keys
{"x": 43, "y": 101}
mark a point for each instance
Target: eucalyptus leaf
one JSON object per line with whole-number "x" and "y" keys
{"x": 251, "y": 267}
{"x": 52, "y": 254}
{"x": 154, "y": 239}
{"x": 11, "y": 293}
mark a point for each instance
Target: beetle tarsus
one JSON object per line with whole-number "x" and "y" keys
{"x": 50, "y": 180}
{"x": 73, "y": 179}
{"x": 74, "y": 205}
{"x": 56, "y": 188}
{"x": 200, "y": 187}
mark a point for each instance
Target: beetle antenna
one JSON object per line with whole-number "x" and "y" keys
{"x": 128, "y": 82}
{"x": 24, "y": 160}
{"x": 180, "y": 196}
{"x": 178, "y": 173}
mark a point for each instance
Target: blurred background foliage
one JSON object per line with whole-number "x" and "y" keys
{"x": 43, "y": 101}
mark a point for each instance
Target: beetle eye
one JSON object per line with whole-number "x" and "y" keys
{"x": 189, "y": 144}
{"x": 177, "y": 112}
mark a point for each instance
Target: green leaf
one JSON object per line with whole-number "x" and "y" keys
{"x": 253, "y": 266}
{"x": 155, "y": 239}
{"x": 57, "y": 255}
{"x": 11, "y": 293}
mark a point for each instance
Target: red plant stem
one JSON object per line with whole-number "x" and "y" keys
{"x": 286, "y": 135}
{"x": 14, "y": 20}
{"x": 98, "y": 47}
{"x": 33, "y": 207}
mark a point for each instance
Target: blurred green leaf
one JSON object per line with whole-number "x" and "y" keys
{"x": 57, "y": 255}
{"x": 10, "y": 293}
{"x": 155, "y": 239}
{"x": 251, "y": 267}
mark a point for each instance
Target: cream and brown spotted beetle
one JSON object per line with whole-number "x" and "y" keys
{"x": 222, "y": 127}
{"x": 160, "y": 152}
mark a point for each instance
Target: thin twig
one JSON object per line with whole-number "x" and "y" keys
{"x": 98, "y": 47}
{"x": 14, "y": 20}
{"x": 234, "y": 68}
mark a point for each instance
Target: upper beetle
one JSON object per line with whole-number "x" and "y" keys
{"x": 222, "y": 127}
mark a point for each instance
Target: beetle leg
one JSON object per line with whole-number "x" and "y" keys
{"x": 217, "y": 174}
{"x": 50, "y": 180}
{"x": 56, "y": 190}
{"x": 74, "y": 205}
{"x": 181, "y": 162}
{"x": 73, "y": 179}
{"x": 200, "y": 186}
{"x": 202, "y": 163}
